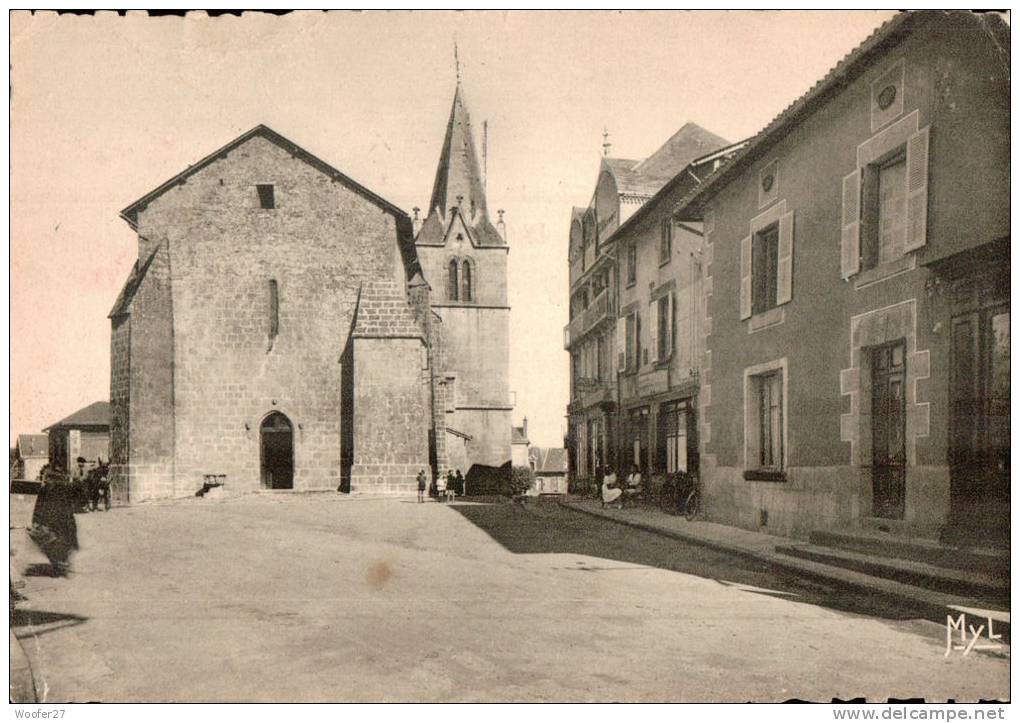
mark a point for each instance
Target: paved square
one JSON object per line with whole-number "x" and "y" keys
{"x": 324, "y": 598}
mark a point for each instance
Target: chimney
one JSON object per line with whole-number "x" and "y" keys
{"x": 416, "y": 221}
{"x": 501, "y": 226}
{"x": 525, "y": 427}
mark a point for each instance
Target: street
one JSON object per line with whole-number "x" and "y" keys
{"x": 283, "y": 597}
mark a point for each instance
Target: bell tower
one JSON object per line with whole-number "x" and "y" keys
{"x": 463, "y": 256}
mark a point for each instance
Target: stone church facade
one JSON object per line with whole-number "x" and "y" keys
{"x": 278, "y": 331}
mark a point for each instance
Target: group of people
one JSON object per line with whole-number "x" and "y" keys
{"x": 616, "y": 494}
{"x": 442, "y": 488}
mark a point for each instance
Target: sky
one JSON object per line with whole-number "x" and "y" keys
{"x": 106, "y": 108}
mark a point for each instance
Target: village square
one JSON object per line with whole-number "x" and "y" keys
{"x": 730, "y": 425}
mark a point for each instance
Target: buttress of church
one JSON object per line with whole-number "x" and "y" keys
{"x": 284, "y": 327}
{"x": 463, "y": 256}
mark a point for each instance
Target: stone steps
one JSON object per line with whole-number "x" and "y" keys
{"x": 884, "y": 545}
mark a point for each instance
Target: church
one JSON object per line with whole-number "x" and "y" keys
{"x": 284, "y": 327}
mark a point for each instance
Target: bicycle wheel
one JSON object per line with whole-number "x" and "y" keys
{"x": 691, "y": 505}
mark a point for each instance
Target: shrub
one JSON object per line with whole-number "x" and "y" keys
{"x": 522, "y": 479}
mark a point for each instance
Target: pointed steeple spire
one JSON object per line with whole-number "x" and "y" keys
{"x": 459, "y": 175}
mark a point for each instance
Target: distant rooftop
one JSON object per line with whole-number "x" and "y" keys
{"x": 96, "y": 414}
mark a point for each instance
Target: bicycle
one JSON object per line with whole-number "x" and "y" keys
{"x": 681, "y": 494}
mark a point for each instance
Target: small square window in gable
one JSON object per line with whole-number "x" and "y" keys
{"x": 887, "y": 96}
{"x": 768, "y": 184}
{"x": 267, "y": 195}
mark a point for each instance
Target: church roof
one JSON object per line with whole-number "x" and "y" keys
{"x": 96, "y": 414}
{"x": 134, "y": 280}
{"x": 130, "y": 214}
{"x": 384, "y": 312}
{"x": 458, "y": 172}
{"x": 433, "y": 231}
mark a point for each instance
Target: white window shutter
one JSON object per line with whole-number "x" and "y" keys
{"x": 653, "y": 330}
{"x": 917, "y": 190}
{"x": 850, "y": 238}
{"x": 621, "y": 343}
{"x": 784, "y": 274}
{"x": 745, "y": 278}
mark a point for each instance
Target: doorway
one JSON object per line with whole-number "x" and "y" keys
{"x": 888, "y": 425}
{"x": 979, "y": 425}
{"x": 277, "y": 435}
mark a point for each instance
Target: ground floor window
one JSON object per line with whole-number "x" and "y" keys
{"x": 764, "y": 423}
{"x": 674, "y": 441}
{"x": 637, "y": 450}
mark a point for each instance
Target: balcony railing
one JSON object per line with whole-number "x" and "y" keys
{"x": 600, "y": 309}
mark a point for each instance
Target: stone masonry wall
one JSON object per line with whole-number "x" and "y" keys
{"x": 320, "y": 243}
{"x": 120, "y": 396}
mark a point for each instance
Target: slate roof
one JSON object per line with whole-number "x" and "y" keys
{"x": 517, "y": 436}
{"x": 549, "y": 460}
{"x": 851, "y": 66}
{"x": 458, "y": 172}
{"x": 33, "y": 445}
{"x": 383, "y": 311}
{"x": 645, "y": 178}
{"x": 96, "y": 414}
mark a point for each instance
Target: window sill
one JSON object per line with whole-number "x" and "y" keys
{"x": 631, "y": 284}
{"x": 765, "y": 319}
{"x": 885, "y": 271}
{"x": 663, "y": 363}
{"x": 764, "y": 475}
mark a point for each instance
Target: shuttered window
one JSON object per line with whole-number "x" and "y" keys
{"x": 632, "y": 264}
{"x": 764, "y": 269}
{"x": 664, "y": 340}
{"x": 666, "y": 240}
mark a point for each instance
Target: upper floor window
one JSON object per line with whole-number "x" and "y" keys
{"x": 884, "y": 235}
{"x": 664, "y": 338}
{"x": 267, "y": 195}
{"x": 666, "y": 240}
{"x": 452, "y": 287}
{"x": 467, "y": 291}
{"x": 632, "y": 357}
{"x": 764, "y": 269}
{"x": 632, "y": 264}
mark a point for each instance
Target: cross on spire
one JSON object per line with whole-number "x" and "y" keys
{"x": 605, "y": 141}
{"x": 456, "y": 61}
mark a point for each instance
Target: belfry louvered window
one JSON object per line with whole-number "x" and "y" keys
{"x": 452, "y": 286}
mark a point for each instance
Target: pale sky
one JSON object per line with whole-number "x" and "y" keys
{"x": 104, "y": 109}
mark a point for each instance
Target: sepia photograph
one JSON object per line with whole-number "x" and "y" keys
{"x": 517, "y": 356}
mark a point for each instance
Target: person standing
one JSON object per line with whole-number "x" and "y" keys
{"x": 441, "y": 488}
{"x": 460, "y": 483}
{"x": 421, "y": 486}
{"x": 53, "y": 527}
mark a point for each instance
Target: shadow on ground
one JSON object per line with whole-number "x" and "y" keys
{"x": 543, "y": 527}
{"x": 42, "y": 622}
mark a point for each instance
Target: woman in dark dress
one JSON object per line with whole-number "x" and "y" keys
{"x": 53, "y": 527}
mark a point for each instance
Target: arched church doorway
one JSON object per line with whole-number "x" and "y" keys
{"x": 277, "y": 435}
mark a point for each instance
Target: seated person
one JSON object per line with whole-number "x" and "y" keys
{"x": 634, "y": 480}
{"x": 611, "y": 492}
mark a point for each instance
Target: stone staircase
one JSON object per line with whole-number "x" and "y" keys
{"x": 961, "y": 577}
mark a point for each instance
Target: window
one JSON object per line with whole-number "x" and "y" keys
{"x": 266, "y": 195}
{"x": 768, "y": 401}
{"x": 764, "y": 269}
{"x": 673, "y": 424}
{"x": 274, "y": 312}
{"x": 451, "y": 281}
{"x": 467, "y": 293}
{"x": 600, "y": 357}
{"x": 664, "y": 339}
{"x": 633, "y": 350}
{"x": 632, "y": 264}
{"x": 666, "y": 241}
{"x": 885, "y": 212}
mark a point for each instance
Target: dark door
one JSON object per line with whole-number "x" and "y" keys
{"x": 277, "y": 452}
{"x": 888, "y": 416}
{"x": 979, "y": 424}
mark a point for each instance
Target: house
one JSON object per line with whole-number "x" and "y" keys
{"x": 85, "y": 433}
{"x": 288, "y": 328}
{"x": 634, "y": 299}
{"x": 856, "y": 314}
{"x": 31, "y": 453}
{"x": 549, "y": 465}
